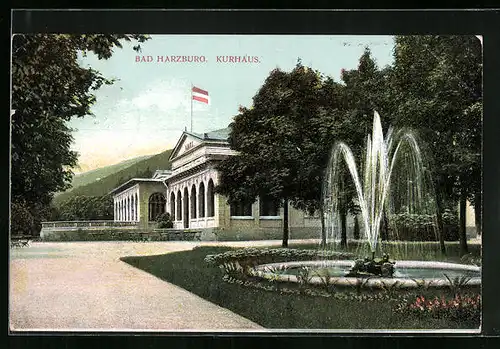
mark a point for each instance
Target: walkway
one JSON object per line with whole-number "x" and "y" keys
{"x": 83, "y": 286}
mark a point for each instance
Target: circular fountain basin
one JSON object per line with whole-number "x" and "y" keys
{"x": 407, "y": 274}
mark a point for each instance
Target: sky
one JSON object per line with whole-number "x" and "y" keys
{"x": 145, "y": 111}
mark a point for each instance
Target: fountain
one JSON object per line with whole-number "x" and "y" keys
{"x": 372, "y": 192}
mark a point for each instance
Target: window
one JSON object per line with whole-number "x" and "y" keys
{"x": 210, "y": 199}
{"x": 268, "y": 207}
{"x": 201, "y": 200}
{"x": 179, "y": 206}
{"x": 172, "y": 206}
{"x": 241, "y": 209}
{"x": 157, "y": 203}
{"x": 193, "y": 201}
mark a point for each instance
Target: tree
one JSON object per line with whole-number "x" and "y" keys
{"x": 437, "y": 87}
{"x": 86, "y": 208}
{"x": 49, "y": 88}
{"x": 283, "y": 142}
{"x": 364, "y": 91}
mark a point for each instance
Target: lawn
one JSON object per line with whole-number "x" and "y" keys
{"x": 187, "y": 269}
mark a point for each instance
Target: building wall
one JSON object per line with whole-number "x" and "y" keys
{"x": 145, "y": 191}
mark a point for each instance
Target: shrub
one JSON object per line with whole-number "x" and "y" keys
{"x": 423, "y": 227}
{"x": 255, "y": 256}
{"x": 22, "y": 221}
{"x": 164, "y": 221}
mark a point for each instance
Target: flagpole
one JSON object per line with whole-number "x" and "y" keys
{"x": 191, "y": 107}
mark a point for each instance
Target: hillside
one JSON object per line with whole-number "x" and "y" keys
{"x": 112, "y": 180}
{"x": 97, "y": 174}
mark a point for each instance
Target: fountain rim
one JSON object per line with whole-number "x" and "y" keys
{"x": 372, "y": 282}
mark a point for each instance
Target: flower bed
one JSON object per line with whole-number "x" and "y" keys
{"x": 462, "y": 308}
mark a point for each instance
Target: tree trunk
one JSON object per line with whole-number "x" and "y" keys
{"x": 384, "y": 231}
{"x": 323, "y": 228}
{"x": 343, "y": 226}
{"x": 356, "y": 228}
{"x": 285, "y": 224}
{"x": 439, "y": 217}
{"x": 462, "y": 227}
{"x": 478, "y": 213}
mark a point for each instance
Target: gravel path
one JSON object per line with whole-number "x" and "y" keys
{"x": 83, "y": 286}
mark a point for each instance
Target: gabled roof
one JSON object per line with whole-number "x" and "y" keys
{"x": 216, "y": 135}
{"x": 221, "y": 134}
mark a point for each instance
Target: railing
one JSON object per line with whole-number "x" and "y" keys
{"x": 86, "y": 224}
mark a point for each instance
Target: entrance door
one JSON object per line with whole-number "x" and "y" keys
{"x": 185, "y": 211}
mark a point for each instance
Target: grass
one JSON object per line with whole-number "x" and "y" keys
{"x": 188, "y": 270}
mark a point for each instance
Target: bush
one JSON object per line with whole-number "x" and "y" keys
{"x": 21, "y": 220}
{"x": 255, "y": 256}
{"x": 423, "y": 227}
{"x": 164, "y": 221}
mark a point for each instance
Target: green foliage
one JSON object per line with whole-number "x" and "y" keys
{"x": 437, "y": 89}
{"x": 457, "y": 283}
{"x": 289, "y": 307}
{"x": 49, "y": 87}
{"x": 140, "y": 169}
{"x": 423, "y": 227}
{"x": 100, "y": 173}
{"x": 254, "y": 256}
{"x": 85, "y": 208}
{"x": 21, "y": 219}
{"x": 282, "y": 140}
{"x": 164, "y": 221}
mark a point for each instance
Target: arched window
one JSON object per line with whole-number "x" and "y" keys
{"x": 193, "y": 201}
{"x": 201, "y": 200}
{"x": 172, "y": 206}
{"x": 157, "y": 204}
{"x": 179, "y": 206}
{"x": 268, "y": 206}
{"x": 210, "y": 199}
{"x": 241, "y": 209}
{"x": 185, "y": 208}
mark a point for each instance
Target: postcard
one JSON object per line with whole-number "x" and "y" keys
{"x": 245, "y": 183}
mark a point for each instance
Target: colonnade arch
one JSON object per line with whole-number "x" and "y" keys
{"x": 126, "y": 207}
{"x": 190, "y": 200}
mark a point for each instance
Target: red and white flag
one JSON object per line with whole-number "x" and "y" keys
{"x": 199, "y": 95}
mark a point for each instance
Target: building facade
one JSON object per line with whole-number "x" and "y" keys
{"x": 187, "y": 193}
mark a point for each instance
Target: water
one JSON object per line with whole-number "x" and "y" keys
{"x": 399, "y": 272}
{"x": 373, "y": 188}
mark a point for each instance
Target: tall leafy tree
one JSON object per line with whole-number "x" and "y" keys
{"x": 365, "y": 90}
{"x": 437, "y": 88}
{"x": 283, "y": 142}
{"x": 49, "y": 88}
